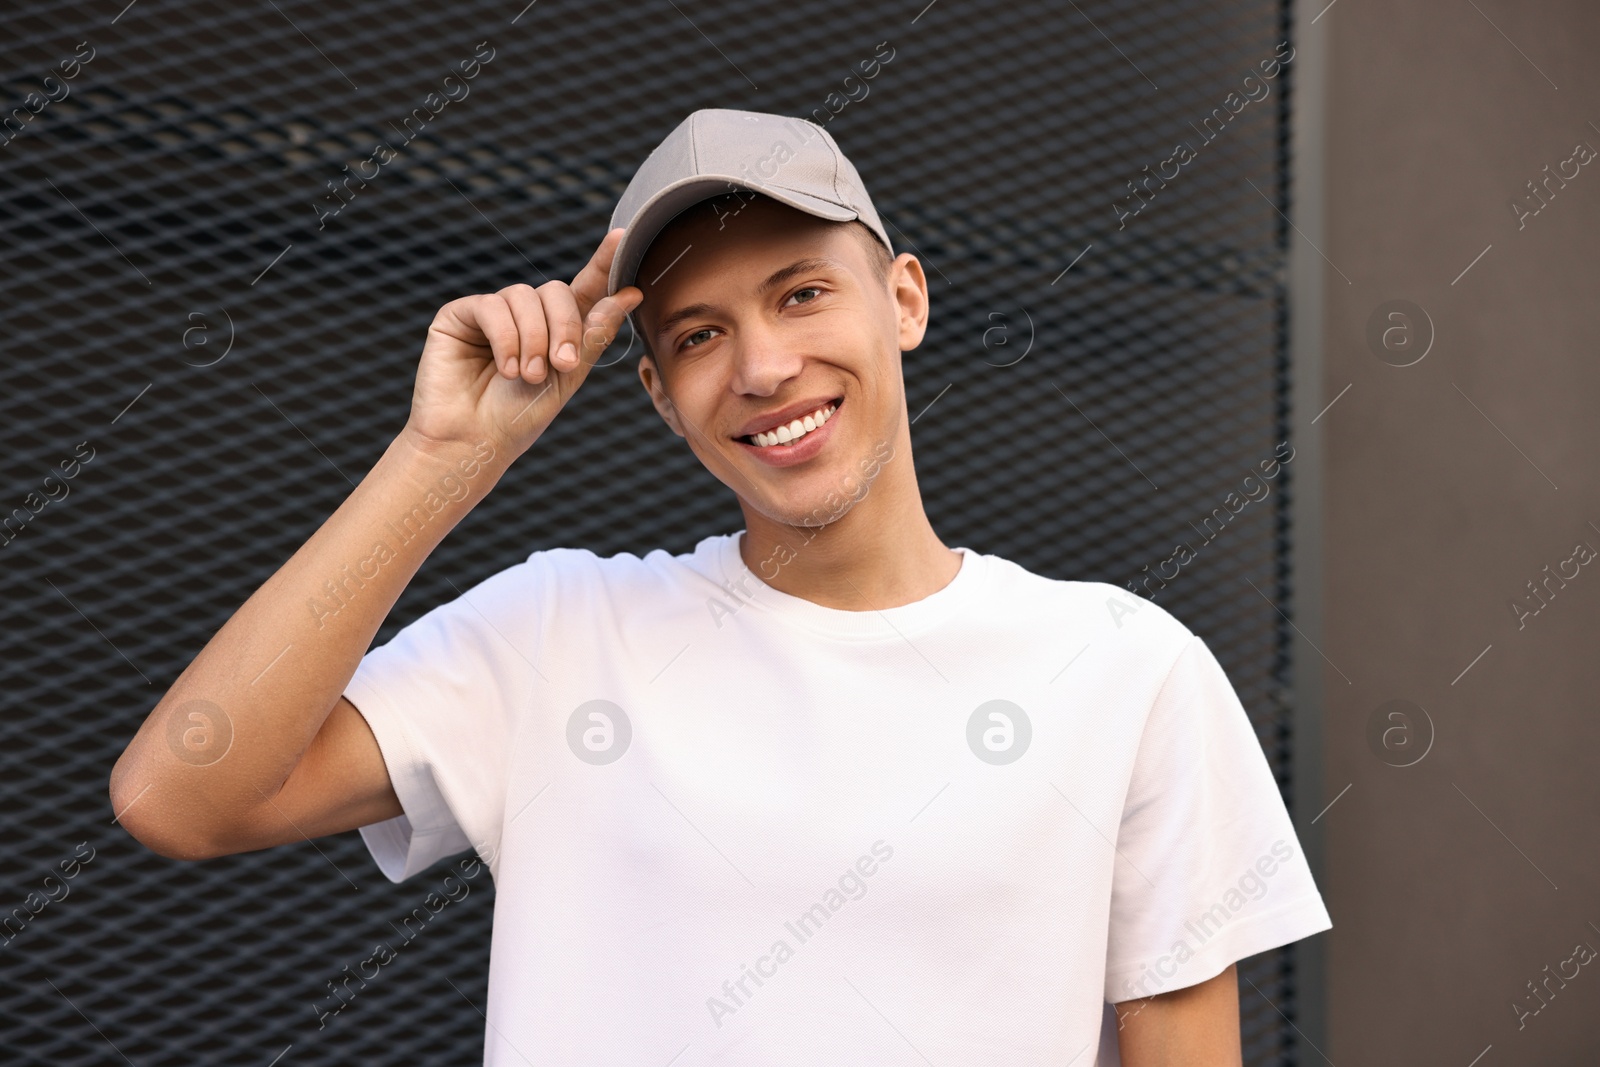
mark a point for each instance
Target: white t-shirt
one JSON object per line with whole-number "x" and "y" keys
{"x": 727, "y": 825}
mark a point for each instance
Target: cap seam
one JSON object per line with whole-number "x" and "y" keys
{"x": 838, "y": 154}
{"x": 804, "y": 193}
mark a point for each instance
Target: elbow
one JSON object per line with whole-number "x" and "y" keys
{"x": 137, "y": 809}
{"x": 172, "y": 847}
{"x": 168, "y": 842}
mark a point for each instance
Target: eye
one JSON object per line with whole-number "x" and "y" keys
{"x": 688, "y": 341}
{"x": 807, "y": 289}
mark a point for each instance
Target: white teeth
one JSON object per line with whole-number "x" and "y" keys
{"x": 795, "y": 430}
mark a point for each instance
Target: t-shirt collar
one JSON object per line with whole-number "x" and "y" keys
{"x": 752, "y": 593}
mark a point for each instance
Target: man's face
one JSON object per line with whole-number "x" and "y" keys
{"x": 756, "y": 315}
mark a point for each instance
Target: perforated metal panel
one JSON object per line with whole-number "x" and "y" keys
{"x": 218, "y": 359}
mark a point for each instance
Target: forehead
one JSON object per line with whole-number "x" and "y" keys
{"x": 727, "y": 246}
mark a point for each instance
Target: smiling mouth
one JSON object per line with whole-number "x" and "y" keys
{"x": 796, "y": 429}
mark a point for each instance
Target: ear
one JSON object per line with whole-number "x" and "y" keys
{"x": 650, "y": 375}
{"x": 909, "y": 288}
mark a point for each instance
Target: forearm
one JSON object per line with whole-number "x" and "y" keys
{"x": 232, "y": 727}
{"x": 1196, "y": 1026}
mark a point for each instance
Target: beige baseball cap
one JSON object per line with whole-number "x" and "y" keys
{"x": 719, "y": 150}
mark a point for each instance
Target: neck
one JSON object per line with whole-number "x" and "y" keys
{"x": 881, "y": 553}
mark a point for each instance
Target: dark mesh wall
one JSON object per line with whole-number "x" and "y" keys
{"x": 175, "y": 313}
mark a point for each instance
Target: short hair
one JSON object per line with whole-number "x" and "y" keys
{"x": 878, "y": 252}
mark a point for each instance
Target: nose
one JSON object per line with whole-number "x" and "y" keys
{"x": 762, "y": 361}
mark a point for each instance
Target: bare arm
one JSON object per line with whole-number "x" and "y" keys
{"x": 254, "y": 744}
{"x": 1197, "y": 1026}
{"x": 204, "y": 774}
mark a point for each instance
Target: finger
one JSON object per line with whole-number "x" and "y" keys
{"x": 564, "y": 322}
{"x": 491, "y": 315}
{"x": 605, "y": 319}
{"x": 533, "y": 337}
{"x": 591, "y": 282}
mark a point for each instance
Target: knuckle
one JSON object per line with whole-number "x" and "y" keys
{"x": 560, "y": 302}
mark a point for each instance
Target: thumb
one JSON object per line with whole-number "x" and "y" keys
{"x": 605, "y": 320}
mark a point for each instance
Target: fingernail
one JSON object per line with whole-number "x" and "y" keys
{"x": 536, "y": 365}
{"x": 568, "y": 353}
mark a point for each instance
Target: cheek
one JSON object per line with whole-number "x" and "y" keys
{"x": 695, "y": 399}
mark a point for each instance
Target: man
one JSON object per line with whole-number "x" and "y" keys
{"x": 821, "y": 791}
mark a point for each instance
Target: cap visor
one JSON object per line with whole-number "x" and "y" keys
{"x": 673, "y": 199}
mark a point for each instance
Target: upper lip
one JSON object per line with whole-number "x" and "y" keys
{"x": 773, "y": 419}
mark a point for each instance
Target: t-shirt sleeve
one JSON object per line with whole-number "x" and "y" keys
{"x": 1208, "y": 868}
{"x": 442, "y": 698}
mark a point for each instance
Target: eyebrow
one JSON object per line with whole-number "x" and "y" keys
{"x": 775, "y": 279}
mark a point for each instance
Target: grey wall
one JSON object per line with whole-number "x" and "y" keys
{"x": 179, "y": 301}
{"x": 1447, "y": 486}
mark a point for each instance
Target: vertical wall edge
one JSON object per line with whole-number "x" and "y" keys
{"x": 1306, "y": 278}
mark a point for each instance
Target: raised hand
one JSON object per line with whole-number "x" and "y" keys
{"x": 502, "y": 365}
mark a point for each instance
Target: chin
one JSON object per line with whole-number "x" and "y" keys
{"x": 822, "y": 513}
{"x": 827, "y": 496}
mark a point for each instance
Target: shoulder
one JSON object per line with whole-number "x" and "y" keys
{"x": 1100, "y": 611}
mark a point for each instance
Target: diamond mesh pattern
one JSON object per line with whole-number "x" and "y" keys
{"x": 165, "y": 210}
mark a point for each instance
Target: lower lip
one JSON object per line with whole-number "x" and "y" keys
{"x": 799, "y": 451}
